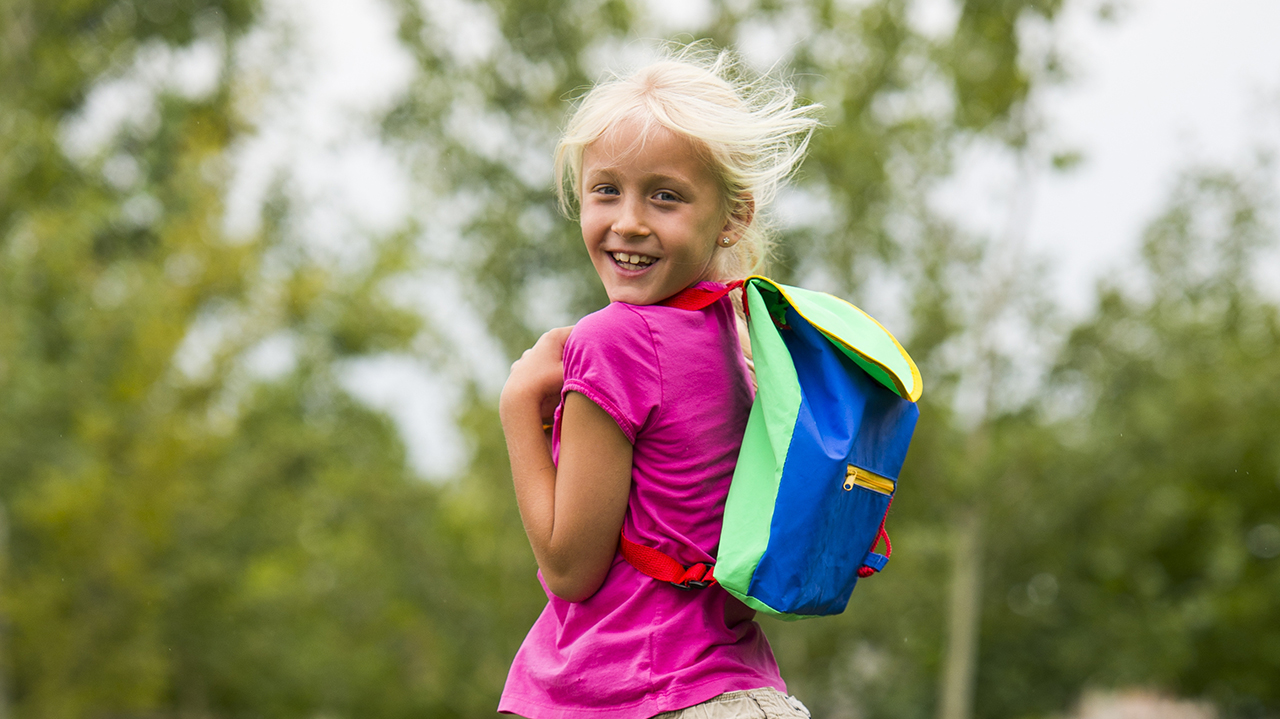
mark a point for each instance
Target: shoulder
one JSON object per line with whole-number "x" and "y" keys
{"x": 614, "y": 325}
{"x": 611, "y": 357}
{"x": 615, "y": 345}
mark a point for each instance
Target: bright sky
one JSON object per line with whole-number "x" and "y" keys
{"x": 1175, "y": 82}
{"x": 1172, "y": 83}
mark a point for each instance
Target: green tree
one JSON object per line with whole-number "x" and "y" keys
{"x": 1154, "y": 538}
{"x": 192, "y": 534}
{"x": 189, "y": 535}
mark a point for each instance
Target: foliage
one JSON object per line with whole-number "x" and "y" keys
{"x": 186, "y": 533}
{"x": 1167, "y": 482}
{"x": 191, "y": 533}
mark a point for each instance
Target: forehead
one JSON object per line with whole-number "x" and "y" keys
{"x": 629, "y": 146}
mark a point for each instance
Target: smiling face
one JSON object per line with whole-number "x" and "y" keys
{"x": 652, "y": 214}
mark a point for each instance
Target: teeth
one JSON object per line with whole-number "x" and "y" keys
{"x": 630, "y": 259}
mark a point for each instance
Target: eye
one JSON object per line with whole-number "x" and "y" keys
{"x": 604, "y": 190}
{"x": 666, "y": 196}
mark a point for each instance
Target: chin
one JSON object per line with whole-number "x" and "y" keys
{"x": 631, "y": 298}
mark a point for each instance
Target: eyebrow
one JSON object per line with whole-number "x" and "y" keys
{"x": 656, "y": 177}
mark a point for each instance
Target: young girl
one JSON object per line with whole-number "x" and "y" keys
{"x": 669, "y": 169}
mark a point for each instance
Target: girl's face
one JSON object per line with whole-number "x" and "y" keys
{"x": 652, "y": 214}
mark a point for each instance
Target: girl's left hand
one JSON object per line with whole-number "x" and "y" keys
{"x": 538, "y": 376}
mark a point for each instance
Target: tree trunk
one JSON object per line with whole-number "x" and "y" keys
{"x": 4, "y": 625}
{"x": 964, "y": 618}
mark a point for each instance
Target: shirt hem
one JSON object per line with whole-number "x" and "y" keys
{"x": 586, "y": 390}
{"x": 651, "y": 705}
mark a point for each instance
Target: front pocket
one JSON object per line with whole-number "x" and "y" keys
{"x": 868, "y": 479}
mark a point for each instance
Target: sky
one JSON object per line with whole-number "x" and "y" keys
{"x": 1172, "y": 83}
{"x": 1167, "y": 84}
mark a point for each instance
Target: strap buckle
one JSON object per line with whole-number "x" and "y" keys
{"x": 656, "y": 564}
{"x": 696, "y": 576}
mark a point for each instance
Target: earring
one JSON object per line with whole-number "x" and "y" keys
{"x": 724, "y": 241}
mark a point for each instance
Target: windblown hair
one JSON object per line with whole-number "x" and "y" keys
{"x": 750, "y": 130}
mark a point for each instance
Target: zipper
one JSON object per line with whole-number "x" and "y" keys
{"x": 867, "y": 479}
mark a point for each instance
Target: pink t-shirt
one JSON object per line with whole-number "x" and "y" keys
{"x": 677, "y": 385}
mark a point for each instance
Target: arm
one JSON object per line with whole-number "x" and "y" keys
{"x": 573, "y": 514}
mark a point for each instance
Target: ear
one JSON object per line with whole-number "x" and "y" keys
{"x": 741, "y": 211}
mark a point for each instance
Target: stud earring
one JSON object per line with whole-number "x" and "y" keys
{"x": 724, "y": 241}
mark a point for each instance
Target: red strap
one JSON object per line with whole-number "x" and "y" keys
{"x": 696, "y": 298}
{"x": 865, "y": 571}
{"x": 654, "y": 563}
{"x": 647, "y": 560}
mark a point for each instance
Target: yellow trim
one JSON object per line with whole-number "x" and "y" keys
{"x": 918, "y": 383}
{"x": 865, "y": 478}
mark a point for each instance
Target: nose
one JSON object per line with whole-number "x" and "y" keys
{"x": 630, "y": 220}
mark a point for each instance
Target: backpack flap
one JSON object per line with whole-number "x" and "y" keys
{"x": 853, "y": 331}
{"x": 825, "y": 441}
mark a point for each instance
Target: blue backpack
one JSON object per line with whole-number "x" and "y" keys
{"x": 828, "y": 432}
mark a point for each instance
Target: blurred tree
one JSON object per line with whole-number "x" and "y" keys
{"x": 202, "y": 521}
{"x": 193, "y": 534}
{"x": 1143, "y": 533}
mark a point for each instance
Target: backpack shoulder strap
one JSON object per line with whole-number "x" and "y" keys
{"x": 647, "y": 560}
{"x": 696, "y": 298}
{"x": 657, "y": 564}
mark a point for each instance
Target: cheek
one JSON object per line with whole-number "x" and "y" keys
{"x": 588, "y": 223}
{"x": 709, "y": 233}
{"x": 594, "y": 215}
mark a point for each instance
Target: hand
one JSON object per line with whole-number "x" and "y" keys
{"x": 538, "y": 376}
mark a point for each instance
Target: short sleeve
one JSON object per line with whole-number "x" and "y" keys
{"x": 610, "y": 359}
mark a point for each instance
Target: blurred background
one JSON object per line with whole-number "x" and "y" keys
{"x": 263, "y": 265}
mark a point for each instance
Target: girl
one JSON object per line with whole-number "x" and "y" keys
{"x": 669, "y": 169}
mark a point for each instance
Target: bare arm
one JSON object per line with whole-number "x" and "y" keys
{"x": 573, "y": 514}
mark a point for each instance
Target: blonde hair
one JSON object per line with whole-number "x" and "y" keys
{"x": 748, "y": 127}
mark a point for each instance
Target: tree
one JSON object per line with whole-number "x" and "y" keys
{"x": 203, "y": 521}
{"x": 190, "y": 533}
{"x": 1157, "y": 542}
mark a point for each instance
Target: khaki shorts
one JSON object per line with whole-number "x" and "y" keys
{"x": 750, "y": 704}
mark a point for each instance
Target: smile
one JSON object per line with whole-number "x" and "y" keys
{"x": 632, "y": 262}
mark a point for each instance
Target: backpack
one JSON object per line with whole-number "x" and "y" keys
{"x": 828, "y": 432}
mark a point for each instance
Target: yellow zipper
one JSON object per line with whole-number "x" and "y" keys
{"x": 870, "y": 480}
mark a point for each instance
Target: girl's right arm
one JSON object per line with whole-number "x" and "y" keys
{"x": 573, "y": 514}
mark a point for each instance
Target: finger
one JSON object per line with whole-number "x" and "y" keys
{"x": 555, "y": 339}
